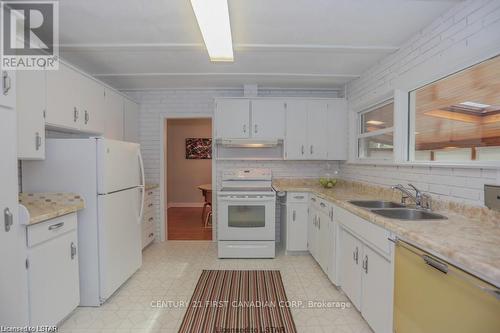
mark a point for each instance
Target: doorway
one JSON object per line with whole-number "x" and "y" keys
{"x": 188, "y": 168}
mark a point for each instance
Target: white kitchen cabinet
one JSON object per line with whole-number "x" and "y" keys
{"x": 53, "y": 275}
{"x": 297, "y": 222}
{"x": 333, "y": 251}
{"x": 316, "y": 130}
{"x": 350, "y": 266}
{"x": 113, "y": 105}
{"x": 131, "y": 121}
{"x": 312, "y": 234}
{"x": 13, "y": 276}
{"x": 62, "y": 98}
{"x": 91, "y": 105}
{"x": 148, "y": 227}
{"x": 336, "y": 130}
{"x": 306, "y": 124}
{"x": 232, "y": 119}
{"x": 7, "y": 89}
{"x": 268, "y": 119}
{"x": 376, "y": 291}
{"x": 31, "y": 106}
{"x": 296, "y": 134}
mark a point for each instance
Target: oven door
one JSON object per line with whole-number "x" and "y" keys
{"x": 246, "y": 217}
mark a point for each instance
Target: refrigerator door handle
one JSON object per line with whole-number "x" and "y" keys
{"x": 142, "y": 189}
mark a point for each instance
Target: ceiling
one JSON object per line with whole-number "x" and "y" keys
{"x": 154, "y": 44}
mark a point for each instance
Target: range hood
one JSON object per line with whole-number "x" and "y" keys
{"x": 249, "y": 143}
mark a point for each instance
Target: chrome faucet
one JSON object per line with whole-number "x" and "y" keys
{"x": 421, "y": 200}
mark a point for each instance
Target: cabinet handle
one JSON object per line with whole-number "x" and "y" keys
{"x": 150, "y": 192}
{"x": 151, "y": 219}
{"x": 322, "y": 204}
{"x": 56, "y": 226}
{"x": 8, "y": 219}
{"x": 298, "y": 197}
{"x": 38, "y": 141}
{"x": 244, "y": 128}
{"x": 6, "y": 81}
{"x": 319, "y": 223}
{"x": 355, "y": 255}
{"x": 365, "y": 264}
{"x": 255, "y": 128}
{"x": 150, "y": 205}
{"x": 312, "y": 149}
{"x": 294, "y": 215}
{"x": 73, "y": 250}
{"x": 87, "y": 117}
{"x": 302, "y": 149}
{"x": 313, "y": 199}
{"x": 151, "y": 235}
{"x": 75, "y": 114}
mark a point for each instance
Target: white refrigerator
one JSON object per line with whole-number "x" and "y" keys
{"x": 109, "y": 175}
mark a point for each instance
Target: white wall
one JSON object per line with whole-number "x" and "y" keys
{"x": 155, "y": 105}
{"x": 467, "y": 34}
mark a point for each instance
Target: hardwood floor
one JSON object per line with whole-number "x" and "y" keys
{"x": 184, "y": 223}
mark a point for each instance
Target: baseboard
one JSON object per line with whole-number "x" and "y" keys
{"x": 185, "y": 204}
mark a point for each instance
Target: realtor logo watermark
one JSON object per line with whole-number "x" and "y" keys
{"x": 29, "y": 35}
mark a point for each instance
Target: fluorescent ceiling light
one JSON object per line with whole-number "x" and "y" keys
{"x": 375, "y": 122}
{"x": 213, "y": 20}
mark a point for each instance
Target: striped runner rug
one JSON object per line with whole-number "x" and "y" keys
{"x": 230, "y": 301}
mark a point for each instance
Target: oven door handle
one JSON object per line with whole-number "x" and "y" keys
{"x": 249, "y": 199}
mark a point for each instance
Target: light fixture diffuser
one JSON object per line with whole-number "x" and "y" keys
{"x": 213, "y": 20}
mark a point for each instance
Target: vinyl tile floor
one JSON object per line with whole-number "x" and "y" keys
{"x": 152, "y": 299}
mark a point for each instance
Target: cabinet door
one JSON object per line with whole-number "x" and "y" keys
{"x": 377, "y": 277}
{"x": 31, "y": 104}
{"x": 53, "y": 280}
{"x": 131, "y": 121}
{"x": 8, "y": 89}
{"x": 316, "y": 130}
{"x": 296, "y": 130}
{"x": 337, "y": 130}
{"x": 13, "y": 275}
{"x": 113, "y": 106}
{"x": 233, "y": 119}
{"x": 332, "y": 250}
{"x": 297, "y": 225}
{"x": 92, "y": 106}
{"x": 323, "y": 241}
{"x": 311, "y": 231}
{"x": 62, "y": 98}
{"x": 268, "y": 119}
{"x": 350, "y": 267}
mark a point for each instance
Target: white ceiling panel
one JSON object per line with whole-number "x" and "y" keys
{"x": 138, "y": 44}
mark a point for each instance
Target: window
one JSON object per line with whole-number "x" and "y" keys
{"x": 376, "y": 132}
{"x": 458, "y": 117}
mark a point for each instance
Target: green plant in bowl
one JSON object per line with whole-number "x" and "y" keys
{"x": 327, "y": 182}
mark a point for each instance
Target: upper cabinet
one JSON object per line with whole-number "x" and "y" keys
{"x": 243, "y": 119}
{"x": 31, "y": 106}
{"x": 268, "y": 119}
{"x": 316, "y": 130}
{"x": 232, "y": 119}
{"x": 74, "y": 101}
{"x": 7, "y": 89}
{"x": 113, "y": 104}
{"x": 131, "y": 121}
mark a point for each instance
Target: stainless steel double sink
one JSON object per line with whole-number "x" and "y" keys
{"x": 397, "y": 211}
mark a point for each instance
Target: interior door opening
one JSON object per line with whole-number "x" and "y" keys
{"x": 188, "y": 178}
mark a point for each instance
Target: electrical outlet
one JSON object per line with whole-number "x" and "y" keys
{"x": 492, "y": 196}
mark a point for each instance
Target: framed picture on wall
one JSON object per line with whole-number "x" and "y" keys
{"x": 198, "y": 148}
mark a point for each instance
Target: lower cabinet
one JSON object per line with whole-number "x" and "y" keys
{"x": 367, "y": 279}
{"x": 297, "y": 224}
{"x": 148, "y": 221}
{"x": 53, "y": 273}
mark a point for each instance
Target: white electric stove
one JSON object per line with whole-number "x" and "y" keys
{"x": 246, "y": 214}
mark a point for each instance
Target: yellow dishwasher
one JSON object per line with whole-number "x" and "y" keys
{"x": 432, "y": 296}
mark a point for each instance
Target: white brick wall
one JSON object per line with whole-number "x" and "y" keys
{"x": 157, "y": 104}
{"x": 467, "y": 34}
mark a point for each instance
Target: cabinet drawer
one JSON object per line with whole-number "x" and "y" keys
{"x": 369, "y": 232}
{"x": 297, "y": 196}
{"x": 43, "y": 231}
